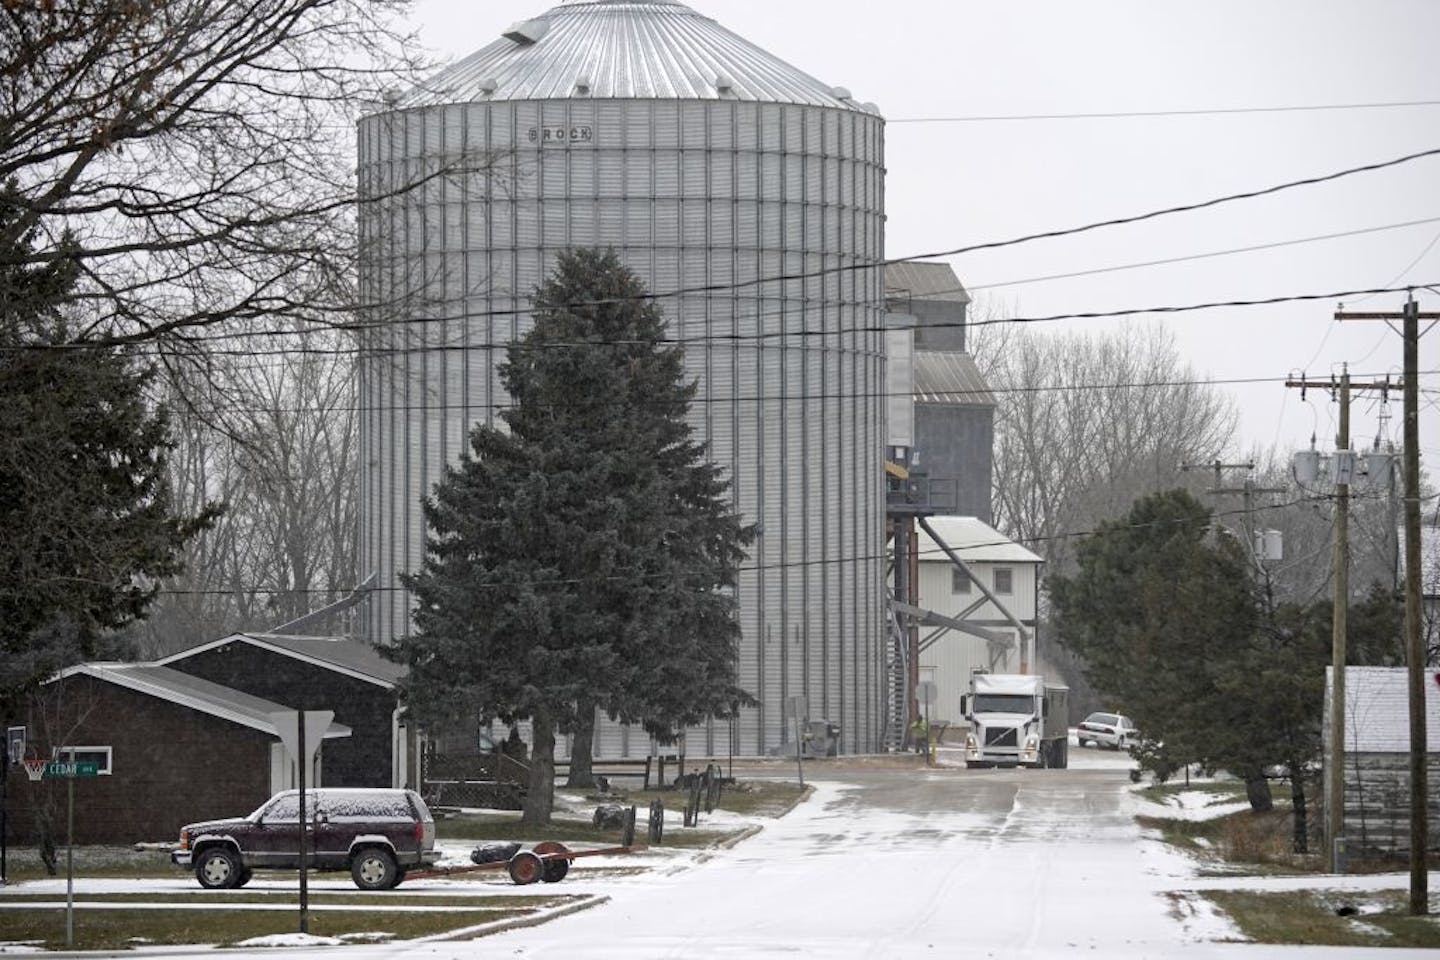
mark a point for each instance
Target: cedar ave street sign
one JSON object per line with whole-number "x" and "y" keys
{"x": 71, "y": 769}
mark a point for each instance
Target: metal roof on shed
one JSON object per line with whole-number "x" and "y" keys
{"x": 924, "y": 281}
{"x": 340, "y": 654}
{"x": 974, "y": 540}
{"x": 946, "y": 376}
{"x": 624, "y": 49}
{"x": 1377, "y": 709}
{"x": 197, "y": 694}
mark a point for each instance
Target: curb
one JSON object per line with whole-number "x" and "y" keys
{"x": 515, "y": 923}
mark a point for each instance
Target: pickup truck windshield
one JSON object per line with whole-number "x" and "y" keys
{"x": 1003, "y": 703}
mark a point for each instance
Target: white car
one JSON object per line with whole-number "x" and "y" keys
{"x": 1111, "y": 730}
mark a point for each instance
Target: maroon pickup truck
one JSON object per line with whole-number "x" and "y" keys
{"x": 375, "y": 834}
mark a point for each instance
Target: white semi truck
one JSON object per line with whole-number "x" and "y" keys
{"x": 1016, "y": 720}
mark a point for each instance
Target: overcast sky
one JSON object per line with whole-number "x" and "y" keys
{"x": 952, "y": 184}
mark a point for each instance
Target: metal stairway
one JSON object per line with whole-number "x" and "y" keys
{"x": 896, "y": 695}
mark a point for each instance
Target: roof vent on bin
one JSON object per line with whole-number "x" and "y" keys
{"x": 527, "y": 32}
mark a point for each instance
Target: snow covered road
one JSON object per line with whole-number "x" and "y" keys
{"x": 905, "y": 863}
{"x": 943, "y": 863}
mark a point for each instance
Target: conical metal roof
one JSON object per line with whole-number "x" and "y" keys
{"x": 625, "y": 49}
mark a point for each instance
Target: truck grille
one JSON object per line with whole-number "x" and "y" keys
{"x": 1004, "y": 737}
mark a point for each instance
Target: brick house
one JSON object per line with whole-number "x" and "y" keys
{"x": 191, "y": 737}
{"x": 171, "y": 748}
{"x": 319, "y": 673}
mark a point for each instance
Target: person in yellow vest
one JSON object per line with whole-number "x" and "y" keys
{"x": 920, "y": 735}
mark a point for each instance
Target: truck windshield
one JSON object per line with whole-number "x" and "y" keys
{"x": 1003, "y": 703}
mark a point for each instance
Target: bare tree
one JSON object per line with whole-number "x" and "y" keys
{"x": 198, "y": 152}
{"x": 196, "y": 159}
{"x": 280, "y": 453}
{"x": 1087, "y": 423}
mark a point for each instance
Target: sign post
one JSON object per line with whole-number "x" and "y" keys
{"x": 301, "y": 731}
{"x": 925, "y": 693}
{"x": 797, "y": 707}
{"x": 14, "y": 753}
{"x": 70, "y": 771}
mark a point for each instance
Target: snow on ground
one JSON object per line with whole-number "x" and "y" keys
{"x": 1050, "y": 869}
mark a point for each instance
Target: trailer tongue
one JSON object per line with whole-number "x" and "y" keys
{"x": 548, "y": 861}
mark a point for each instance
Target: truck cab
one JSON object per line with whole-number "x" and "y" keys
{"x": 1016, "y": 720}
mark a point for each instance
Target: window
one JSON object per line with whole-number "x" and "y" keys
{"x": 959, "y": 581}
{"x": 100, "y": 756}
{"x": 285, "y": 807}
{"x": 1004, "y": 580}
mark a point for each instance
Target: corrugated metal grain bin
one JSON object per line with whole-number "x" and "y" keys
{"x": 747, "y": 192}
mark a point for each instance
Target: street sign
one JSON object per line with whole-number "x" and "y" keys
{"x": 71, "y": 769}
{"x": 925, "y": 692}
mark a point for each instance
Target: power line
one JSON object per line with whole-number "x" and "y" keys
{"x": 706, "y": 289}
{"x": 763, "y": 568}
{"x": 1205, "y": 256}
{"x": 713, "y": 338}
{"x": 1197, "y": 112}
{"x": 821, "y": 396}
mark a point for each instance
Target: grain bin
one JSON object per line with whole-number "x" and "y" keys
{"x": 747, "y": 194}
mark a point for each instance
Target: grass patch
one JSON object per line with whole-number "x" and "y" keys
{"x": 125, "y": 927}
{"x": 754, "y": 798}
{"x": 23, "y": 863}
{"x": 1221, "y": 792}
{"x": 221, "y": 899}
{"x": 1261, "y": 843}
{"x": 1309, "y": 918}
{"x": 747, "y": 798}
{"x": 482, "y": 827}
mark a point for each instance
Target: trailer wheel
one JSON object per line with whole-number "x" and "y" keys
{"x": 555, "y": 867}
{"x": 526, "y": 868}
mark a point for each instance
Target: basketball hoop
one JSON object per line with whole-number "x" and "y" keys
{"x": 35, "y": 768}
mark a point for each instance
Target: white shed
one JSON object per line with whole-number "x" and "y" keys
{"x": 1010, "y": 577}
{"x": 1377, "y": 759}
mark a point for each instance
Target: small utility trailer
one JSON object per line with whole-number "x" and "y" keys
{"x": 548, "y": 861}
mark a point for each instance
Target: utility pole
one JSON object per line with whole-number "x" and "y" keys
{"x": 1344, "y": 470}
{"x": 1246, "y": 490}
{"x": 1415, "y": 649}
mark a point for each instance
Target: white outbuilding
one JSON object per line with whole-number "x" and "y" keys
{"x": 979, "y": 590}
{"x": 1377, "y": 760}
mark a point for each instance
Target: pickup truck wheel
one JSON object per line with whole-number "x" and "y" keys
{"x": 218, "y": 868}
{"x": 374, "y": 869}
{"x": 399, "y": 879}
{"x": 245, "y": 877}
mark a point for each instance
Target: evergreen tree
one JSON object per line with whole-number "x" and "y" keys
{"x": 1164, "y": 612}
{"x": 585, "y": 557}
{"x": 86, "y": 524}
{"x": 1156, "y": 600}
{"x": 1271, "y": 693}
